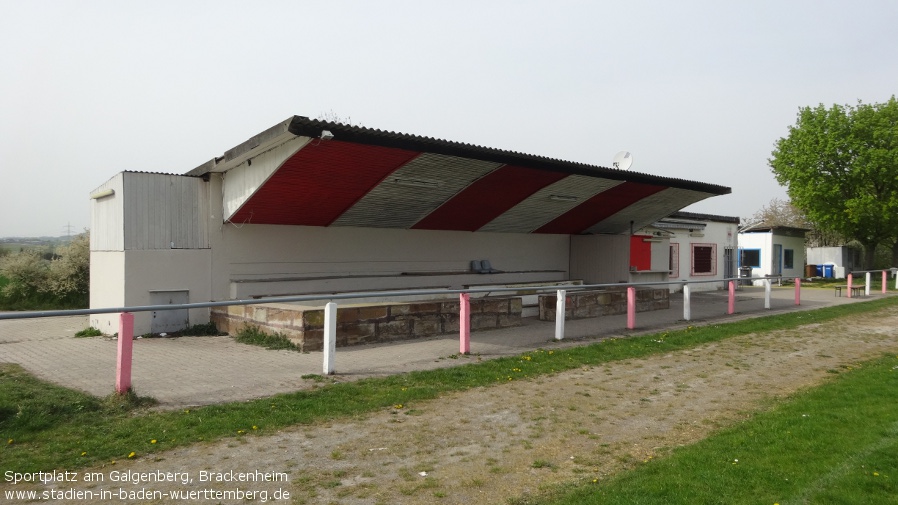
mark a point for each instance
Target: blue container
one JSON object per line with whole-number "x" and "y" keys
{"x": 828, "y": 271}
{"x": 819, "y": 270}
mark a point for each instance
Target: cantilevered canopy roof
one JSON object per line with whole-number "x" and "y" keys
{"x": 313, "y": 173}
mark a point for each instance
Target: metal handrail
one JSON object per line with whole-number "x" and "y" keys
{"x": 354, "y": 295}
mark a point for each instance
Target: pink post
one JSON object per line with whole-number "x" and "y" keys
{"x": 631, "y": 308}
{"x": 731, "y": 302}
{"x": 464, "y": 323}
{"x": 849, "y": 285}
{"x": 797, "y": 291}
{"x": 125, "y": 343}
{"x": 885, "y": 279}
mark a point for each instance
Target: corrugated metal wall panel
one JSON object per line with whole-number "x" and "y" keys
{"x": 165, "y": 211}
{"x": 106, "y": 219}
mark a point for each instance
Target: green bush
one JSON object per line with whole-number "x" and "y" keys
{"x": 31, "y": 281}
{"x": 253, "y": 335}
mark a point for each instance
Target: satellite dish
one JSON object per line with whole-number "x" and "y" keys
{"x": 622, "y": 160}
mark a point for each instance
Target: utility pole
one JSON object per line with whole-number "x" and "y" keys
{"x": 68, "y": 229}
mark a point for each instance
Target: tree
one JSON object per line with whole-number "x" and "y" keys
{"x": 777, "y": 213}
{"x": 840, "y": 168}
{"x": 63, "y": 281}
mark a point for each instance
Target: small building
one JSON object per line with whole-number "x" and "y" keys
{"x": 771, "y": 251}
{"x": 686, "y": 247}
{"x": 313, "y": 207}
{"x": 834, "y": 262}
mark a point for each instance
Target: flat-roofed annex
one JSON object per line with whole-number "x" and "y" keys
{"x": 307, "y": 172}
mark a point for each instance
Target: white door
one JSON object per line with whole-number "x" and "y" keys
{"x": 165, "y": 321}
{"x": 777, "y": 267}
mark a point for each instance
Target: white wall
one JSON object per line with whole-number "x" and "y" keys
{"x": 765, "y": 241}
{"x": 107, "y": 287}
{"x": 600, "y": 259}
{"x": 722, "y": 235}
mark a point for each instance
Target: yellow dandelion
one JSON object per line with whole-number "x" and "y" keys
{"x": 240, "y": 432}
{"x": 10, "y": 441}
{"x": 255, "y": 427}
{"x": 876, "y": 474}
{"x": 153, "y": 441}
{"x": 397, "y": 406}
{"x": 132, "y": 454}
{"x": 84, "y": 453}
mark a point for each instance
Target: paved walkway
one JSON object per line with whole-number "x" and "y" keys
{"x": 202, "y": 370}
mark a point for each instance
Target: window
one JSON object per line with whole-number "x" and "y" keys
{"x": 788, "y": 258}
{"x": 704, "y": 259}
{"x": 674, "y": 261}
{"x": 750, "y": 258}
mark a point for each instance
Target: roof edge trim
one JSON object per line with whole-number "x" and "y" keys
{"x": 303, "y": 126}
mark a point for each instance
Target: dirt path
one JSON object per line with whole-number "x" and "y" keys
{"x": 487, "y": 445}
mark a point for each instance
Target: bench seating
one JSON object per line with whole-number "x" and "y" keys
{"x": 856, "y": 290}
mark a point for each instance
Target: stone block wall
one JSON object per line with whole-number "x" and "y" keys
{"x": 585, "y": 304}
{"x": 371, "y": 323}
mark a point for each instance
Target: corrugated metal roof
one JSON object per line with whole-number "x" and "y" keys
{"x": 356, "y": 176}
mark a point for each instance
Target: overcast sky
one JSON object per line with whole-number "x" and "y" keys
{"x": 697, "y": 90}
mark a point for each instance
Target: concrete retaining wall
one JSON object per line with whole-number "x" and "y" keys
{"x": 367, "y": 324}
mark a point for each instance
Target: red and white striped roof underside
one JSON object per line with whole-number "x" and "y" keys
{"x": 334, "y": 183}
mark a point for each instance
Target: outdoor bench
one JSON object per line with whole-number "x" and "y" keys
{"x": 856, "y": 290}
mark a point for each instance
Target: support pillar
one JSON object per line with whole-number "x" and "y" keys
{"x": 559, "y": 313}
{"x": 631, "y": 308}
{"x": 464, "y": 323}
{"x": 731, "y": 299}
{"x": 850, "y": 279}
{"x": 330, "y": 337}
{"x": 124, "y": 355}
{"x": 867, "y": 279}
{"x": 687, "y": 308}
{"x": 766, "y": 293}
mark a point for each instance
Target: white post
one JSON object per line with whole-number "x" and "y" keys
{"x": 559, "y": 314}
{"x": 767, "y": 293}
{"x": 330, "y": 337}
{"x": 867, "y": 284}
{"x": 687, "y": 308}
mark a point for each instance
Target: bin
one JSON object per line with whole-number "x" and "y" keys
{"x": 745, "y": 273}
{"x": 810, "y": 270}
{"x": 819, "y": 270}
{"x": 828, "y": 271}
